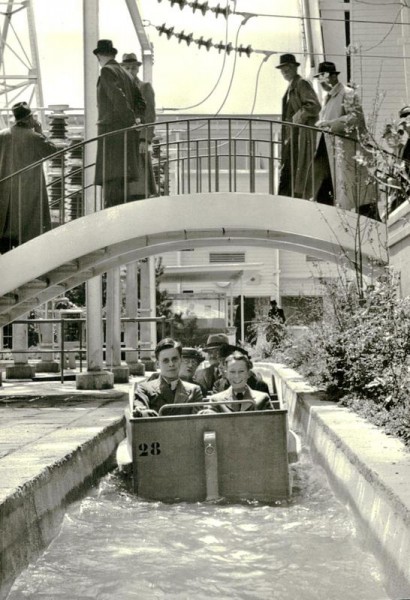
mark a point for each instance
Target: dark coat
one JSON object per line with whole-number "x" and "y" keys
{"x": 206, "y": 377}
{"x": 300, "y": 105}
{"x": 261, "y": 401}
{"x": 120, "y": 103}
{"x": 154, "y": 394}
{"x": 20, "y": 147}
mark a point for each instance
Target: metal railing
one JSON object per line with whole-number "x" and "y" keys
{"x": 187, "y": 156}
{"x": 60, "y": 348}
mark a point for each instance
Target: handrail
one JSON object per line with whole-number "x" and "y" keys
{"x": 201, "y": 157}
{"x": 204, "y": 403}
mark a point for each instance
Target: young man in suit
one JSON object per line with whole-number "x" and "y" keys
{"x": 168, "y": 388}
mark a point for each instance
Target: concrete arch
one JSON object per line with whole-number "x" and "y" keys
{"x": 92, "y": 244}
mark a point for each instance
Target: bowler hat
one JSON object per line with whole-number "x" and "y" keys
{"x": 105, "y": 47}
{"x": 21, "y": 111}
{"x": 192, "y": 353}
{"x": 130, "y": 58}
{"x": 327, "y": 67}
{"x": 287, "y": 59}
{"x": 404, "y": 112}
{"x": 215, "y": 340}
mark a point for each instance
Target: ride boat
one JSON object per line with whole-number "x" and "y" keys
{"x": 231, "y": 456}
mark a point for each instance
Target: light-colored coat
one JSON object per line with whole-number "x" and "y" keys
{"x": 351, "y": 186}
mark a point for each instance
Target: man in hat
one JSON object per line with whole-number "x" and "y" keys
{"x": 24, "y": 209}
{"x": 145, "y": 186}
{"x": 338, "y": 177}
{"x": 191, "y": 358}
{"x": 207, "y": 376}
{"x": 168, "y": 388}
{"x": 300, "y": 105}
{"x": 120, "y": 105}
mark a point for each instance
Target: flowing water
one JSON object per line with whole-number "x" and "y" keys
{"x": 113, "y": 546}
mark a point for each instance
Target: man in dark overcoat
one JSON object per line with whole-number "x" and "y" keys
{"x": 24, "y": 209}
{"x": 300, "y": 105}
{"x": 120, "y": 105}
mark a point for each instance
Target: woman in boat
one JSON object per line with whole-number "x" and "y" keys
{"x": 238, "y": 367}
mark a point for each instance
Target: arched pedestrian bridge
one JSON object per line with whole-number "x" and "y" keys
{"x": 77, "y": 250}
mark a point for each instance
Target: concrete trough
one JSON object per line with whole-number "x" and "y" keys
{"x": 60, "y": 451}
{"x": 369, "y": 471}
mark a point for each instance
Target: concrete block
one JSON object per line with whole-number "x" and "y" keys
{"x": 22, "y": 371}
{"x": 94, "y": 380}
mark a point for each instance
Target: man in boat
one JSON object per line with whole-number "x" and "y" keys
{"x": 190, "y": 361}
{"x": 207, "y": 376}
{"x": 238, "y": 367}
{"x": 168, "y": 388}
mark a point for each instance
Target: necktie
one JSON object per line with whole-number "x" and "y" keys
{"x": 240, "y": 396}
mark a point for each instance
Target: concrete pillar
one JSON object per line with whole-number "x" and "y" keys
{"x": 96, "y": 377}
{"x": 148, "y": 331}
{"x": 47, "y": 363}
{"x": 135, "y": 366}
{"x": 113, "y": 327}
{"x": 21, "y": 369}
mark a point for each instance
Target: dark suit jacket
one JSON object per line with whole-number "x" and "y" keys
{"x": 154, "y": 394}
{"x": 206, "y": 377}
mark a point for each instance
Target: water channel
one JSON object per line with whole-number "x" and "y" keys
{"x": 112, "y": 545}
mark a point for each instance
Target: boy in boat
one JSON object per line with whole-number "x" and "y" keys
{"x": 237, "y": 368}
{"x": 168, "y": 388}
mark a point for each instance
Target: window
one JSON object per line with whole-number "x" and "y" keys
{"x": 226, "y": 257}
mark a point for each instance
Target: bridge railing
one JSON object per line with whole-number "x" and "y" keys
{"x": 218, "y": 154}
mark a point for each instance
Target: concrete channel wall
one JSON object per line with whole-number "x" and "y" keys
{"x": 368, "y": 470}
{"x": 62, "y": 451}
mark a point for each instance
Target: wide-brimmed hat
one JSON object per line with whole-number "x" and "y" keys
{"x": 326, "y": 67}
{"x": 105, "y": 47}
{"x": 130, "y": 58}
{"x": 192, "y": 353}
{"x": 287, "y": 59}
{"x": 215, "y": 340}
{"x": 21, "y": 111}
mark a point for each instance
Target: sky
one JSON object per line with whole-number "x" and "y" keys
{"x": 182, "y": 76}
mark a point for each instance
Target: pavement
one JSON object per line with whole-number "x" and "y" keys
{"x": 55, "y": 441}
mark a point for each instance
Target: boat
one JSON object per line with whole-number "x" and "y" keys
{"x": 237, "y": 456}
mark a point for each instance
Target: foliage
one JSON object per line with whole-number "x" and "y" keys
{"x": 360, "y": 352}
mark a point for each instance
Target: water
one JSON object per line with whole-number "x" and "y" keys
{"x": 114, "y": 546}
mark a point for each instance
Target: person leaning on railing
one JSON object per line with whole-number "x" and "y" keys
{"x": 340, "y": 173}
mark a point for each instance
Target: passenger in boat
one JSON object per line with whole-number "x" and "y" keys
{"x": 238, "y": 367}
{"x": 207, "y": 376}
{"x": 168, "y": 388}
{"x": 191, "y": 359}
{"x": 255, "y": 381}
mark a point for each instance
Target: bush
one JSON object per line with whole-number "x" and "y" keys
{"x": 360, "y": 352}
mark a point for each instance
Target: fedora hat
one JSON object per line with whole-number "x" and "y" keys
{"x": 192, "y": 353}
{"x": 21, "y": 111}
{"x": 105, "y": 47}
{"x": 215, "y": 340}
{"x": 287, "y": 59}
{"x": 404, "y": 112}
{"x": 326, "y": 67}
{"x": 130, "y": 58}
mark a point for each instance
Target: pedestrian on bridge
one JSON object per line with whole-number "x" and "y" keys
{"x": 24, "y": 209}
{"x": 300, "y": 106}
{"x": 120, "y": 105}
{"x": 339, "y": 178}
{"x": 145, "y": 186}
